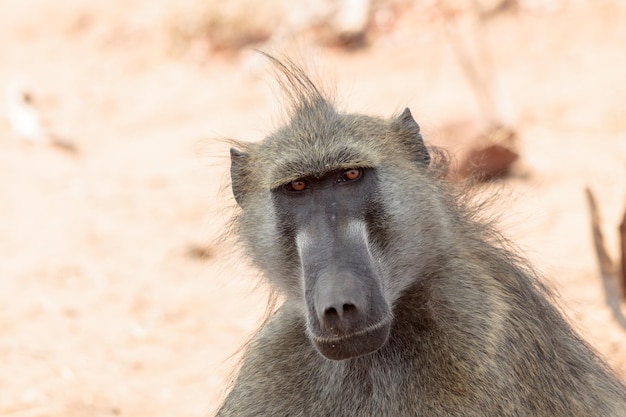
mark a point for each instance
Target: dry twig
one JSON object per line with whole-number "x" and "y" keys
{"x": 607, "y": 268}
{"x": 622, "y": 235}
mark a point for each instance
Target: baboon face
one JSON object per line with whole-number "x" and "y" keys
{"x": 314, "y": 212}
{"x": 347, "y": 313}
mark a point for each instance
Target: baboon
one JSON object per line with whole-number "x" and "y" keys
{"x": 399, "y": 298}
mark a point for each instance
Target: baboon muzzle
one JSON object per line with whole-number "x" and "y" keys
{"x": 348, "y": 315}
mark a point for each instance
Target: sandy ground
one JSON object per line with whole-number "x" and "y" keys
{"x": 105, "y": 309}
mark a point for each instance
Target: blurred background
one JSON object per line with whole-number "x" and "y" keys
{"x": 117, "y": 296}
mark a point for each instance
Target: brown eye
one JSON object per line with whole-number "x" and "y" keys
{"x": 297, "y": 185}
{"x": 351, "y": 174}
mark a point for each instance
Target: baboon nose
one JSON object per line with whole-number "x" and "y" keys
{"x": 338, "y": 313}
{"x": 340, "y": 302}
{"x": 341, "y": 317}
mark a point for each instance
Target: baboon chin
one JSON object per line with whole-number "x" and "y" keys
{"x": 399, "y": 298}
{"x": 359, "y": 343}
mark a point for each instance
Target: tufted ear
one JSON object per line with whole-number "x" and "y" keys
{"x": 412, "y": 129}
{"x": 238, "y": 173}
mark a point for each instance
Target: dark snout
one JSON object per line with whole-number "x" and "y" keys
{"x": 352, "y": 317}
{"x": 348, "y": 314}
{"x": 341, "y": 301}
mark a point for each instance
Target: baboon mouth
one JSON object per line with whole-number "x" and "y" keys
{"x": 366, "y": 340}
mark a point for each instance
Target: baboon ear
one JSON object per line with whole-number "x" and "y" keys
{"x": 238, "y": 173}
{"x": 409, "y": 125}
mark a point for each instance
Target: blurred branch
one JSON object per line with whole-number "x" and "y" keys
{"x": 479, "y": 70}
{"x": 622, "y": 234}
{"x": 607, "y": 269}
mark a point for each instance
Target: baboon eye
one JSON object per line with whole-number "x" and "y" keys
{"x": 351, "y": 174}
{"x": 296, "y": 185}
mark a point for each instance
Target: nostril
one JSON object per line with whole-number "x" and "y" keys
{"x": 331, "y": 312}
{"x": 348, "y": 308}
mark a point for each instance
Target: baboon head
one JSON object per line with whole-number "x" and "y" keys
{"x": 324, "y": 210}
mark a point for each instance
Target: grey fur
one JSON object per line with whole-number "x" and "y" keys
{"x": 473, "y": 333}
